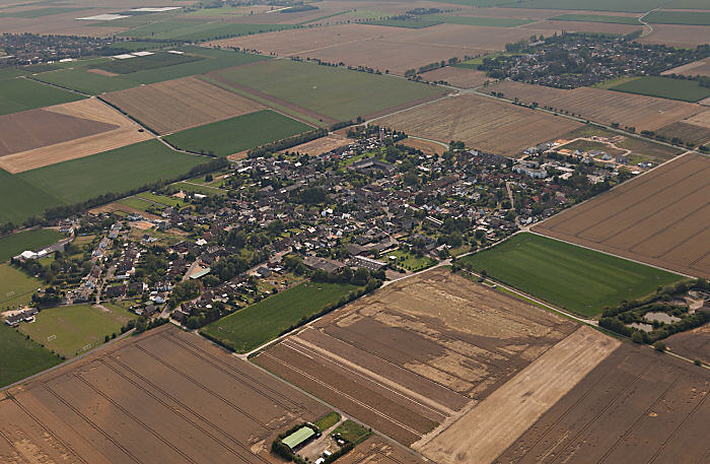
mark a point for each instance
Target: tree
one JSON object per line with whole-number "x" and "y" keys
{"x": 361, "y": 276}
{"x": 659, "y": 346}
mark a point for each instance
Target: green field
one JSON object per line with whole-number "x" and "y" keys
{"x": 692, "y": 18}
{"x": 474, "y": 21}
{"x": 197, "y": 31}
{"x": 474, "y": 63}
{"x": 574, "y": 278}
{"x": 82, "y": 80}
{"x": 257, "y": 324}
{"x": 238, "y": 134}
{"x": 20, "y": 200}
{"x": 39, "y": 12}
{"x": 13, "y": 245}
{"x": 115, "y": 171}
{"x": 352, "y": 431}
{"x": 192, "y": 188}
{"x": 16, "y": 288}
{"x": 407, "y": 23}
{"x": 410, "y": 261}
{"x": 336, "y": 92}
{"x": 72, "y": 330}
{"x": 591, "y": 18}
{"x": 19, "y": 357}
{"x": 143, "y": 63}
{"x": 24, "y": 94}
{"x": 664, "y": 87}
{"x": 327, "y": 421}
{"x": 628, "y": 6}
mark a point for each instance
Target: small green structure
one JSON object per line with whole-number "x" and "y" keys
{"x": 299, "y": 437}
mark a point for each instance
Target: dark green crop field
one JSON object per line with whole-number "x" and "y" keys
{"x": 237, "y": 134}
{"x": 592, "y": 18}
{"x": 20, "y": 358}
{"x": 13, "y": 245}
{"x": 143, "y": 63}
{"x": 664, "y": 87}
{"x": 21, "y": 94}
{"x": 20, "y": 200}
{"x": 571, "y": 277}
{"x": 197, "y": 31}
{"x": 688, "y": 18}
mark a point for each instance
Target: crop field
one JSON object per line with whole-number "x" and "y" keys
{"x": 592, "y": 18}
{"x": 22, "y": 94}
{"x": 165, "y": 396}
{"x": 661, "y": 218}
{"x": 85, "y": 80}
{"x": 418, "y": 353}
{"x": 506, "y": 130}
{"x": 641, "y": 112}
{"x": 550, "y": 26}
{"x": 337, "y": 93}
{"x": 39, "y": 12}
{"x": 664, "y": 87}
{"x": 691, "y": 18}
{"x": 37, "y": 138}
{"x": 180, "y": 104}
{"x": 322, "y": 145}
{"x": 198, "y": 31}
{"x": 693, "y": 344}
{"x": 574, "y": 278}
{"x": 687, "y": 131}
{"x": 458, "y": 77}
{"x": 72, "y": 330}
{"x": 677, "y": 35}
{"x": 27, "y": 200}
{"x": 115, "y": 171}
{"x": 696, "y": 68}
{"x": 635, "y": 407}
{"x": 255, "y": 325}
{"x": 157, "y": 60}
{"x": 16, "y": 288}
{"x": 13, "y": 245}
{"x": 409, "y": 23}
{"x": 21, "y": 358}
{"x": 630, "y": 6}
{"x": 237, "y": 134}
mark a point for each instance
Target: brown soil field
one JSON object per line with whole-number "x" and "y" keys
{"x": 322, "y": 145}
{"x": 678, "y": 36}
{"x": 700, "y": 119}
{"x": 693, "y": 344}
{"x": 483, "y": 123}
{"x": 660, "y": 218}
{"x": 607, "y": 106}
{"x": 695, "y": 68}
{"x": 180, "y": 104}
{"x": 458, "y": 77}
{"x": 376, "y": 450}
{"x": 637, "y": 406}
{"x": 121, "y": 132}
{"x": 488, "y": 429}
{"x": 417, "y": 353}
{"x": 687, "y": 132}
{"x": 427, "y": 147}
{"x": 166, "y": 396}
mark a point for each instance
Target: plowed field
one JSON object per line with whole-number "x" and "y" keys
{"x": 458, "y": 77}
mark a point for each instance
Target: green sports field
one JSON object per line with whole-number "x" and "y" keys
{"x": 72, "y": 330}
{"x": 257, "y": 324}
{"x": 664, "y": 87}
{"x": 13, "y": 245}
{"x": 238, "y": 134}
{"x": 592, "y": 18}
{"x": 20, "y": 358}
{"x": 574, "y": 278}
{"x": 22, "y": 94}
{"x": 16, "y": 288}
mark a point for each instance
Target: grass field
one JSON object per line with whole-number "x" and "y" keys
{"x": 142, "y": 63}
{"x": 352, "y": 431}
{"x": 690, "y": 18}
{"x": 410, "y": 261}
{"x": 198, "y": 31}
{"x": 257, "y": 324}
{"x": 592, "y": 18}
{"x": 574, "y": 278}
{"x": 16, "y": 288}
{"x": 192, "y": 188}
{"x": 238, "y": 134}
{"x": 336, "y": 92}
{"x": 630, "y": 6}
{"x": 115, "y": 171}
{"x": 13, "y": 245}
{"x": 474, "y": 63}
{"x": 71, "y": 330}
{"x": 407, "y": 23}
{"x": 39, "y": 12}
{"x": 82, "y": 80}
{"x": 327, "y": 421}
{"x": 20, "y": 358}
{"x": 23, "y": 94}
{"x": 20, "y": 200}
{"x": 664, "y": 87}
{"x": 474, "y": 21}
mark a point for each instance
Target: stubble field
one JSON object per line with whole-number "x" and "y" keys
{"x": 458, "y": 77}
{"x": 661, "y": 218}
{"x": 696, "y": 68}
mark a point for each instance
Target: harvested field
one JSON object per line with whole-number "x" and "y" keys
{"x": 693, "y": 344}
{"x": 166, "y": 396}
{"x": 686, "y": 131}
{"x": 483, "y": 123}
{"x": 322, "y": 145}
{"x": 180, "y": 104}
{"x": 458, "y": 77}
{"x": 660, "y": 218}
{"x": 637, "y": 406}
{"x": 427, "y": 147}
{"x": 696, "y": 68}
{"x": 83, "y": 128}
{"x": 418, "y": 353}
{"x": 641, "y": 112}
{"x": 376, "y": 450}
{"x": 700, "y": 119}
{"x": 678, "y": 36}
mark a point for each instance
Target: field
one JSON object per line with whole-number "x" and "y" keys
{"x": 21, "y": 358}
{"x": 641, "y": 112}
{"x": 636, "y": 407}
{"x": 180, "y": 104}
{"x": 337, "y": 93}
{"x": 693, "y": 344}
{"x": 37, "y": 138}
{"x": 664, "y": 87}
{"x": 639, "y": 147}
{"x": 84, "y": 80}
{"x": 39, "y": 12}
{"x": 13, "y": 245}
{"x": 16, "y": 288}
{"x": 22, "y": 94}
{"x": 691, "y": 18}
{"x": 166, "y": 396}
{"x": 71, "y": 330}
{"x": 31, "y": 202}
{"x": 417, "y": 353}
{"x": 591, "y": 18}
{"x": 687, "y": 131}
{"x": 631, "y": 6}
{"x": 198, "y": 31}
{"x": 322, "y": 145}
{"x": 159, "y": 59}
{"x": 696, "y": 68}
{"x": 661, "y": 218}
{"x": 237, "y": 134}
{"x": 115, "y": 171}
{"x": 255, "y": 325}
{"x": 678, "y": 36}
{"x": 458, "y": 77}
{"x": 506, "y": 129}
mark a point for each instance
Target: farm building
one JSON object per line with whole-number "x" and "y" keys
{"x": 299, "y": 438}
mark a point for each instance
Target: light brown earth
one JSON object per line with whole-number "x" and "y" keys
{"x": 180, "y": 104}
{"x": 427, "y": 147}
{"x": 481, "y": 122}
{"x": 121, "y": 132}
{"x": 458, "y": 77}
{"x": 660, "y": 218}
{"x": 636, "y": 407}
{"x": 322, "y": 145}
{"x": 417, "y": 353}
{"x": 164, "y": 397}
{"x": 686, "y": 131}
{"x": 693, "y": 344}
{"x": 376, "y": 450}
{"x": 606, "y": 106}
{"x": 696, "y": 68}
{"x": 678, "y": 36}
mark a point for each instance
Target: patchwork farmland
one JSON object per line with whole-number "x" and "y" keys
{"x": 661, "y": 218}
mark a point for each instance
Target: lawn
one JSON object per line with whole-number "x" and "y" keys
{"x": 410, "y": 261}
{"x": 193, "y": 188}
{"x": 336, "y": 92}
{"x": 13, "y": 245}
{"x": 21, "y": 94}
{"x": 72, "y": 330}
{"x": 20, "y": 357}
{"x": 161, "y": 199}
{"x": 664, "y": 87}
{"x": 592, "y": 18}
{"x": 237, "y": 134}
{"x": 20, "y": 200}
{"x": 115, "y": 171}
{"x": 197, "y": 31}
{"x": 352, "y": 432}
{"x": 16, "y": 288}
{"x": 574, "y": 278}
{"x": 693, "y": 18}
{"x": 255, "y": 325}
